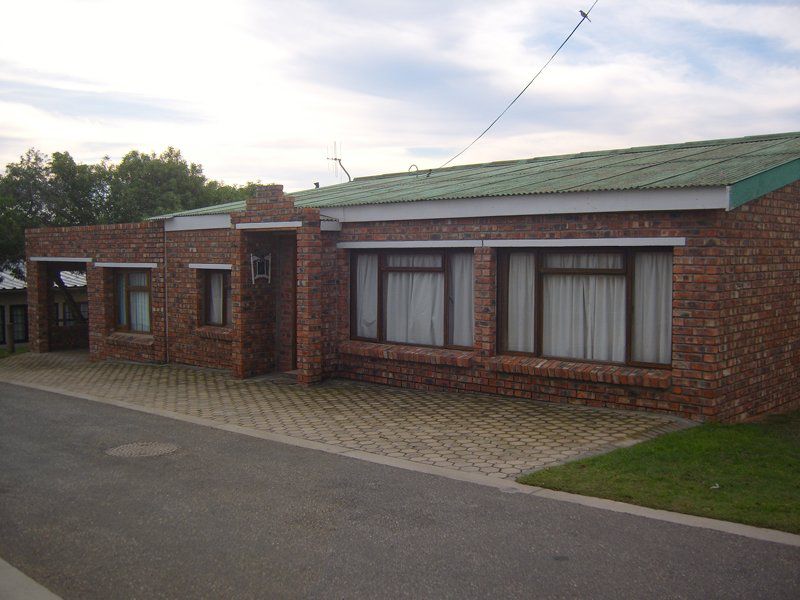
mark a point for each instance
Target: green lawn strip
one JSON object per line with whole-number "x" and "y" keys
{"x": 756, "y": 467}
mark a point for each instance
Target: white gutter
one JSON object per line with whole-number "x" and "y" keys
{"x": 537, "y": 204}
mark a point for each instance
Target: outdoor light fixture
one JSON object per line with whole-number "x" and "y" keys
{"x": 261, "y": 267}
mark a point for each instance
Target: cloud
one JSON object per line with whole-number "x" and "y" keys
{"x": 258, "y": 90}
{"x": 78, "y": 103}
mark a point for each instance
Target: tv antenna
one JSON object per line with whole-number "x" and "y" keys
{"x": 337, "y": 161}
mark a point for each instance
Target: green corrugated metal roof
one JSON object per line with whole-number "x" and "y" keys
{"x": 710, "y": 163}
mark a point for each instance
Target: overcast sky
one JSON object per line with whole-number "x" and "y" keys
{"x": 258, "y": 90}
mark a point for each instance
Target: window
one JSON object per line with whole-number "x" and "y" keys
{"x": 19, "y": 316}
{"x": 2, "y": 324}
{"x": 607, "y": 306}
{"x": 217, "y": 306}
{"x": 68, "y": 318}
{"x": 132, "y": 300}
{"x": 422, "y": 298}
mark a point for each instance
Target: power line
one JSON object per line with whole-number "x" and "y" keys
{"x": 584, "y": 17}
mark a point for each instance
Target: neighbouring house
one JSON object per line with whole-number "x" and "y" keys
{"x": 664, "y": 278}
{"x": 65, "y": 326}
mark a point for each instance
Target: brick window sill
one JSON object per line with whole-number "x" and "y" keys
{"x": 417, "y": 354}
{"x": 121, "y": 338}
{"x": 211, "y": 332}
{"x": 581, "y": 371}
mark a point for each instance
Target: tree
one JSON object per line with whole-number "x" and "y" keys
{"x": 40, "y": 191}
{"x": 145, "y": 185}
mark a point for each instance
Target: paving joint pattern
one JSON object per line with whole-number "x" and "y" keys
{"x": 473, "y": 433}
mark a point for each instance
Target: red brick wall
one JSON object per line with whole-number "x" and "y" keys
{"x": 736, "y": 305}
{"x": 332, "y": 300}
{"x": 263, "y": 330}
{"x": 760, "y": 306}
{"x": 129, "y": 242}
{"x": 690, "y": 388}
{"x": 271, "y": 205}
{"x": 190, "y": 342}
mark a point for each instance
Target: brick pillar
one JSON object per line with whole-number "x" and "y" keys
{"x": 309, "y": 301}
{"x": 485, "y": 265}
{"x": 239, "y": 278}
{"x": 696, "y": 326}
{"x": 100, "y": 295}
{"x": 38, "y": 306}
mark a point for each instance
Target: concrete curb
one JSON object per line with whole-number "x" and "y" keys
{"x": 15, "y": 585}
{"x": 504, "y": 485}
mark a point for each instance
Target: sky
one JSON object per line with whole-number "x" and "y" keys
{"x": 261, "y": 90}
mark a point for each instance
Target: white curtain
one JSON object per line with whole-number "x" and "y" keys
{"x": 215, "y": 303}
{"x": 414, "y": 306}
{"x": 584, "y": 315}
{"x": 122, "y": 311}
{"x": 462, "y": 315}
{"x": 521, "y": 284}
{"x": 140, "y": 303}
{"x": 367, "y": 295}
{"x": 652, "y": 307}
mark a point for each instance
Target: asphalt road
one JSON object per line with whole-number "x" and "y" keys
{"x": 229, "y": 516}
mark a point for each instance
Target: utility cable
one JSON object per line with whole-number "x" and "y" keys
{"x": 584, "y": 17}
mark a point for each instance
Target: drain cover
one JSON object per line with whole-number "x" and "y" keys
{"x": 140, "y": 449}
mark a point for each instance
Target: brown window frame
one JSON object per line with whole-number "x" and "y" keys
{"x": 383, "y": 270}
{"x": 226, "y": 288}
{"x": 540, "y": 271}
{"x": 126, "y": 273}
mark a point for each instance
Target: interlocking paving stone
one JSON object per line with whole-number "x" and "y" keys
{"x": 498, "y": 436}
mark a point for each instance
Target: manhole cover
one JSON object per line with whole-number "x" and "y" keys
{"x": 139, "y": 449}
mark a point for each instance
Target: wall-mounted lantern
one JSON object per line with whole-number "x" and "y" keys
{"x": 261, "y": 267}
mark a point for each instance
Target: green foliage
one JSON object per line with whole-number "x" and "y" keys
{"x": 748, "y": 472}
{"x": 42, "y": 191}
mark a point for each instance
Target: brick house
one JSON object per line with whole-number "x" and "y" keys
{"x": 664, "y": 278}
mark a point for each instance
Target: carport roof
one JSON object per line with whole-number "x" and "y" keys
{"x": 748, "y": 167}
{"x": 71, "y": 279}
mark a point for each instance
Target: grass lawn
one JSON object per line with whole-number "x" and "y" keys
{"x": 749, "y": 473}
{"x": 4, "y": 352}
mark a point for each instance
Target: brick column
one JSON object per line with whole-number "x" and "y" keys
{"x": 100, "y": 295}
{"x": 38, "y": 306}
{"x": 309, "y": 301}
{"x": 696, "y": 326}
{"x": 485, "y": 265}
{"x": 240, "y": 273}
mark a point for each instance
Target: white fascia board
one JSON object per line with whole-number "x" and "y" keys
{"x": 330, "y": 226}
{"x": 66, "y": 259}
{"x": 210, "y": 266}
{"x": 411, "y": 244}
{"x": 271, "y": 225}
{"x": 593, "y": 242}
{"x": 197, "y": 222}
{"x": 126, "y": 265}
{"x": 710, "y": 198}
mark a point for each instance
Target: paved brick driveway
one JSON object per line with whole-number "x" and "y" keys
{"x": 476, "y": 433}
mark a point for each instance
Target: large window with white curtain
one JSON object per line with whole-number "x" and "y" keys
{"x": 604, "y": 306}
{"x": 423, "y": 298}
{"x": 132, "y": 300}
{"x": 217, "y": 305}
